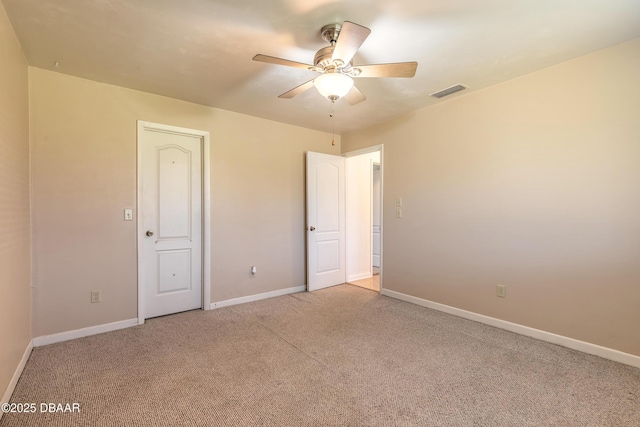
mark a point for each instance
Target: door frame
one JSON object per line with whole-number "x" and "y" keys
{"x": 368, "y": 150}
{"x": 206, "y": 209}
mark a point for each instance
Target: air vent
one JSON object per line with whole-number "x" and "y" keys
{"x": 448, "y": 91}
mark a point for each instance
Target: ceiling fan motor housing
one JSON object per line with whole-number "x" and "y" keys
{"x": 323, "y": 58}
{"x": 324, "y": 62}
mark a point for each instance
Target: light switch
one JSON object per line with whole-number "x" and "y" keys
{"x": 399, "y": 201}
{"x": 398, "y": 212}
{"x": 128, "y": 214}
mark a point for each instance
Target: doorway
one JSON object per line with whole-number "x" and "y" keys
{"x": 173, "y": 220}
{"x": 340, "y": 199}
{"x": 363, "y": 218}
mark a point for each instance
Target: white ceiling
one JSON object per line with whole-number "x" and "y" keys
{"x": 201, "y": 50}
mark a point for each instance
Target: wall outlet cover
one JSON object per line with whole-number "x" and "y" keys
{"x": 501, "y": 291}
{"x": 96, "y": 296}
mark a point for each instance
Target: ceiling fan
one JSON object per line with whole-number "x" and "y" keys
{"x": 335, "y": 63}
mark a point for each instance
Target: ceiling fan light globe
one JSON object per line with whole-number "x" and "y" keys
{"x": 333, "y": 85}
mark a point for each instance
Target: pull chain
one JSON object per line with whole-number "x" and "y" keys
{"x": 333, "y": 125}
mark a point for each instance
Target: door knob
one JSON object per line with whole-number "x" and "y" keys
{"x": 149, "y": 233}
{"x": 312, "y": 228}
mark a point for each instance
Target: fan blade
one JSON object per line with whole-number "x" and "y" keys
{"x": 398, "y": 69}
{"x": 298, "y": 89}
{"x": 349, "y": 41}
{"x": 354, "y": 96}
{"x": 280, "y": 61}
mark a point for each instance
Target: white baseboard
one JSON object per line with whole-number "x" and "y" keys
{"x": 108, "y": 327}
{"x": 84, "y": 332}
{"x": 16, "y": 375}
{"x": 585, "y": 347}
{"x": 257, "y": 297}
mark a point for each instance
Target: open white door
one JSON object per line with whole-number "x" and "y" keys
{"x": 326, "y": 215}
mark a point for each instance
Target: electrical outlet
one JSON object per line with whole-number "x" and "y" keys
{"x": 501, "y": 291}
{"x": 96, "y": 296}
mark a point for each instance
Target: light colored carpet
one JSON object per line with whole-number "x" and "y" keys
{"x": 343, "y": 356}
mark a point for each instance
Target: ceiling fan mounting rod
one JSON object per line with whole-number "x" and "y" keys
{"x": 330, "y": 33}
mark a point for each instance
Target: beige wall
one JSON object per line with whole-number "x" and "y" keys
{"x": 84, "y": 174}
{"x": 15, "y": 283}
{"x": 534, "y": 184}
